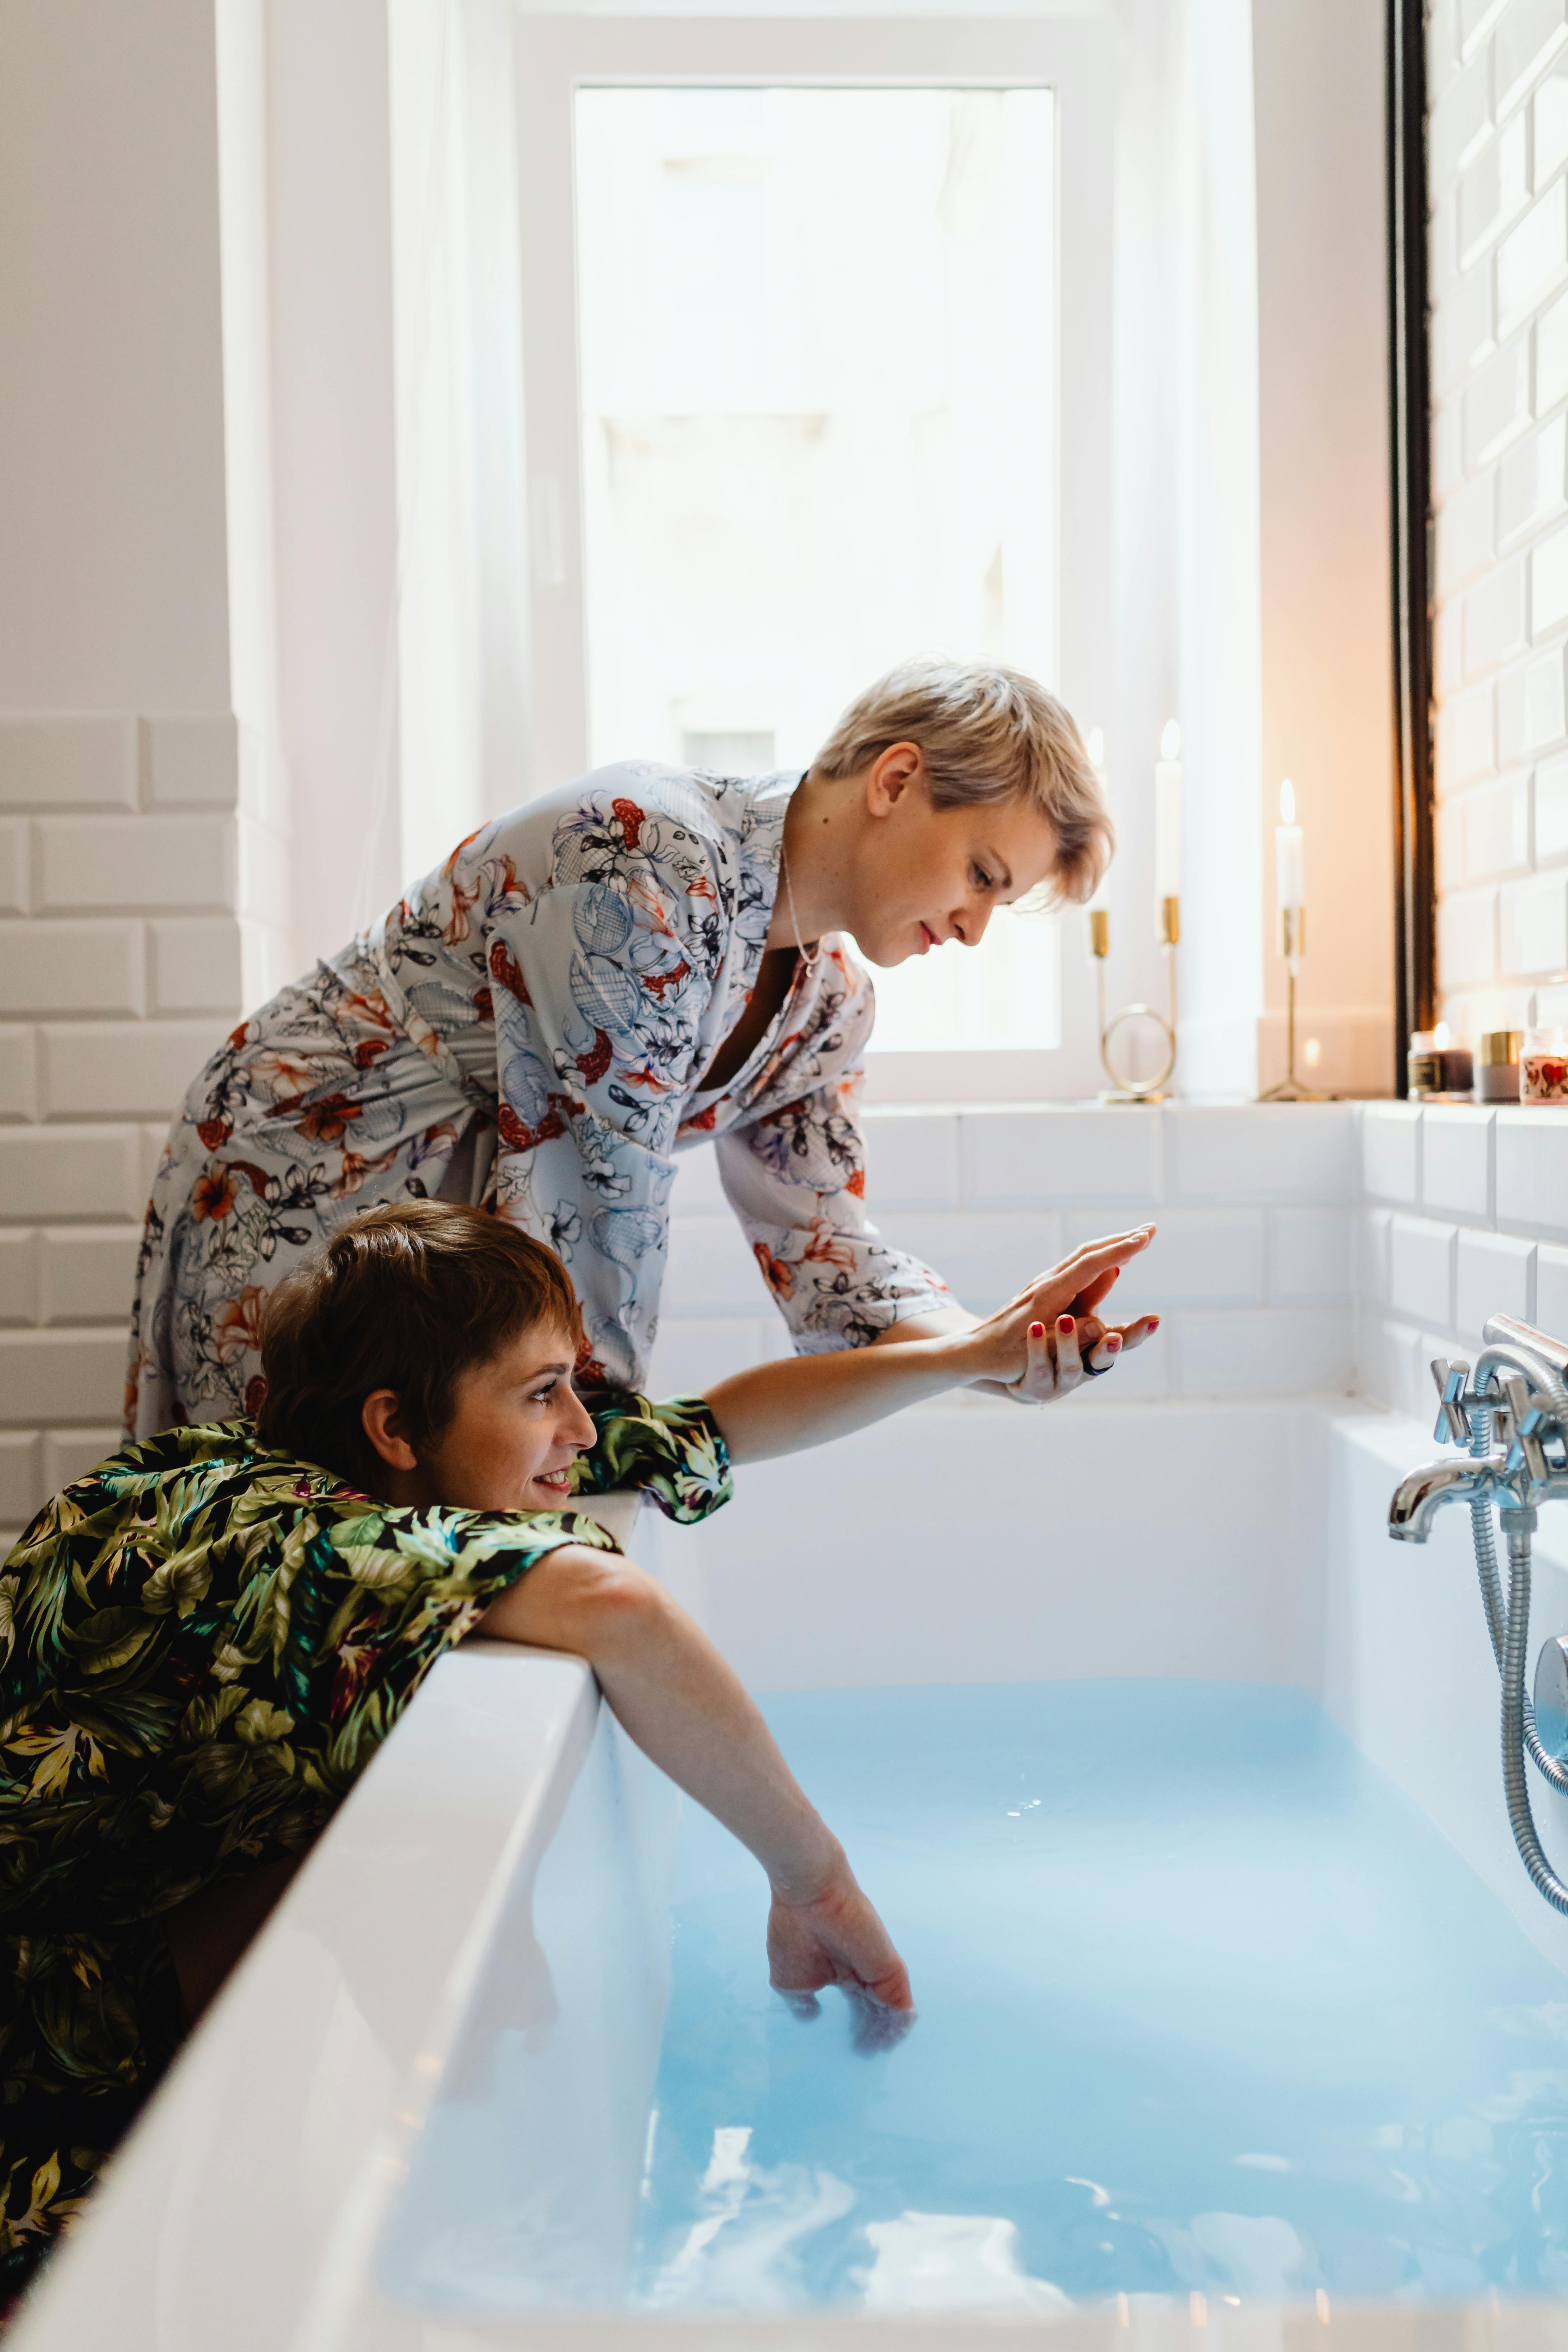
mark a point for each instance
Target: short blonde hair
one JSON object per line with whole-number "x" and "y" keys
{"x": 986, "y": 734}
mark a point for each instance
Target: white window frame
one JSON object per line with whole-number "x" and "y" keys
{"x": 556, "y": 54}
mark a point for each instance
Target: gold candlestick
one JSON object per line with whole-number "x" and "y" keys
{"x": 1125, "y": 1089}
{"x": 1292, "y": 947}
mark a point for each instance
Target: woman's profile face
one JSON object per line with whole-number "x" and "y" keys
{"x": 517, "y": 1427}
{"x": 925, "y": 875}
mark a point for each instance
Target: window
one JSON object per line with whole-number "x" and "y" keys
{"x": 793, "y": 396}
{"x": 816, "y": 377}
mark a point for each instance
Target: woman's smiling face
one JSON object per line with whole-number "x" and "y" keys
{"x": 516, "y": 1428}
{"x": 924, "y": 876}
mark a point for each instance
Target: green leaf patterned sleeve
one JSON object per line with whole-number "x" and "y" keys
{"x": 202, "y": 1645}
{"x": 674, "y": 1453}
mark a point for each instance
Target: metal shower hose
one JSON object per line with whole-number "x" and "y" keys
{"x": 1508, "y": 1629}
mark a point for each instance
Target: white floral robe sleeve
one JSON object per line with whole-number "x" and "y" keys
{"x": 796, "y": 1176}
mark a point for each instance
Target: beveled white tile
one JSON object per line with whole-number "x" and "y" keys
{"x": 1391, "y": 1151}
{"x": 1014, "y": 1158}
{"x": 692, "y": 1351}
{"x": 911, "y": 1160}
{"x": 1260, "y": 1152}
{"x": 1214, "y": 1255}
{"x": 1494, "y": 1276}
{"x": 1421, "y": 1270}
{"x": 1410, "y": 1382}
{"x": 1551, "y": 1313}
{"x": 1269, "y": 1351}
{"x": 983, "y": 1256}
{"x": 1456, "y": 1160}
{"x": 1532, "y": 1169}
{"x": 710, "y": 1270}
{"x": 1372, "y": 1256}
{"x": 1312, "y": 1256}
{"x": 698, "y": 1191}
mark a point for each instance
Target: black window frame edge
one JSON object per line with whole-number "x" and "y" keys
{"x": 1414, "y": 867}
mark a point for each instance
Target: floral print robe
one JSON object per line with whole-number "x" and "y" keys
{"x": 530, "y": 1028}
{"x": 205, "y": 1643}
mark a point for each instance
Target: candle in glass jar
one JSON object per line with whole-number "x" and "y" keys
{"x": 1168, "y": 814}
{"x": 1289, "y": 862}
{"x": 1543, "y": 1066}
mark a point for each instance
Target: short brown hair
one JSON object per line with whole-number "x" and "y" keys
{"x": 986, "y": 734}
{"x": 405, "y": 1297}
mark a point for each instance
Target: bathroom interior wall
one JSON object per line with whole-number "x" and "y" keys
{"x": 1327, "y": 663}
{"x": 1251, "y": 491}
{"x": 138, "y": 866}
{"x": 201, "y": 648}
{"x": 1498, "y": 149}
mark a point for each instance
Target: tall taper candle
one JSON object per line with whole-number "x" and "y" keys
{"x": 1290, "y": 863}
{"x": 1168, "y": 815}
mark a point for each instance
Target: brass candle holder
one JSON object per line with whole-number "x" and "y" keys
{"x": 1123, "y": 1088}
{"x": 1292, "y": 947}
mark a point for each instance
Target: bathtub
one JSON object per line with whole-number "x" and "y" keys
{"x": 506, "y": 1865}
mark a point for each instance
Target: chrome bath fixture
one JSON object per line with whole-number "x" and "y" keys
{"x": 1512, "y": 1414}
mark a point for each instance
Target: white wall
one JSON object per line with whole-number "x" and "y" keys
{"x": 1252, "y": 1269}
{"x": 1498, "y": 248}
{"x": 138, "y": 851}
{"x": 329, "y": 257}
{"x": 1251, "y": 543}
{"x": 1326, "y": 654}
{"x": 1465, "y": 1215}
{"x": 221, "y": 740}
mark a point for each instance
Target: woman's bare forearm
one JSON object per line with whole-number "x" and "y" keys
{"x": 806, "y": 1399}
{"x": 676, "y": 1697}
{"x": 678, "y": 1700}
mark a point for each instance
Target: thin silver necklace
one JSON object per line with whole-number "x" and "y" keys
{"x": 810, "y": 962}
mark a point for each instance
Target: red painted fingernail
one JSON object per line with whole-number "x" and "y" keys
{"x": 1112, "y": 1344}
{"x": 1037, "y": 1331}
{"x": 1153, "y": 1322}
{"x": 1064, "y": 1322}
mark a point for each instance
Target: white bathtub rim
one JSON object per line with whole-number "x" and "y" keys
{"x": 535, "y": 1713}
{"x": 534, "y": 1716}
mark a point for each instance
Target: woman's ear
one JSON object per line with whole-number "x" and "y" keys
{"x": 889, "y": 775}
{"x": 381, "y": 1418}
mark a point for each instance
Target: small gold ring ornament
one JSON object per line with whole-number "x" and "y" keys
{"x": 1137, "y": 1090}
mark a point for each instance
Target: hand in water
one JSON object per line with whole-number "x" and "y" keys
{"x": 836, "y": 1938}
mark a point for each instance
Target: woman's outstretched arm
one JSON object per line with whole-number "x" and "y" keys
{"x": 1034, "y": 1347}
{"x": 675, "y": 1695}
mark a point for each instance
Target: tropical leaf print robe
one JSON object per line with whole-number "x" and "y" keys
{"x": 204, "y": 1645}
{"x": 530, "y": 1028}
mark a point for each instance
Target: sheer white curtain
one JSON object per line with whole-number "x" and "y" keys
{"x": 1187, "y": 508}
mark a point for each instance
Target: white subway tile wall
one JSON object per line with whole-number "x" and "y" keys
{"x": 142, "y": 893}
{"x": 1254, "y": 1265}
{"x": 1498, "y": 241}
{"x": 1328, "y": 1246}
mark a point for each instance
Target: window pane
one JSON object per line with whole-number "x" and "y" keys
{"x": 817, "y": 367}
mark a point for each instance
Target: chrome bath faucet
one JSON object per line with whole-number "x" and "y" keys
{"x": 1511, "y": 1413}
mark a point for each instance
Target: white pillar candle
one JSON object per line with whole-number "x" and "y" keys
{"x": 1290, "y": 863}
{"x": 1168, "y": 814}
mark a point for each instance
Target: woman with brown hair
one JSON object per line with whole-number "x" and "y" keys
{"x": 208, "y": 1637}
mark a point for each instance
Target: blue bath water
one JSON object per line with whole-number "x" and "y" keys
{"x": 1204, "y": 2003}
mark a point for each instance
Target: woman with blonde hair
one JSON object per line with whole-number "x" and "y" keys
{"x": 642, "y": 962}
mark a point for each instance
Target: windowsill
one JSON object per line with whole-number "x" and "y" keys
{"x": 964, "y": 1074}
